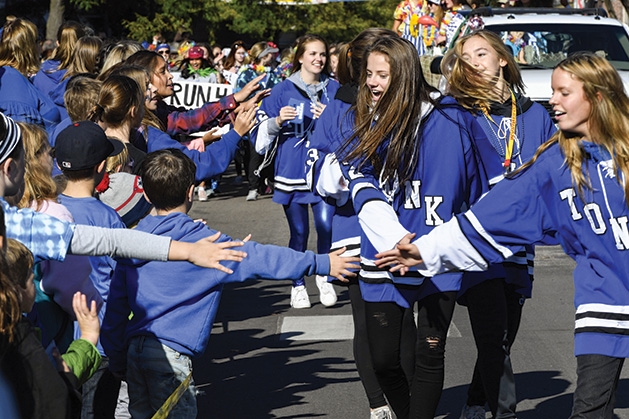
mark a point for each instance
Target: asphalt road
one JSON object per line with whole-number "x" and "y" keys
{"x": 266, "y": 360}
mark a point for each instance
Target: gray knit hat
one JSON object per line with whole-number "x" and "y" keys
{"x": 125, "y": 194}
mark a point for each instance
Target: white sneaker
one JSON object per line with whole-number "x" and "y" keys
{"x": 327, "y": 295}
{"x": 381, "y": 413}
{"x": 299, "y": 297}
{"x": 202, "y": 194}
{"x": 252, "y": 195}
{"x": 473, "y": 412}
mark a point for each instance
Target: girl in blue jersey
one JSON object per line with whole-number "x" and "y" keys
{"x": 573, "y": 193}
{"x": 291, "y": 112}
{"x": 412, "y": 157}
{"x": 333, "y": 128}
{"x": 484, "y": 77}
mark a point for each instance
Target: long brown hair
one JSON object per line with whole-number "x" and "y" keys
{"x": 147, "y": 59}
{"x": 351, "y": 54}
{"x": 67, "y": 35}
{"x": 230, "y": 61}
{"x": 10, "y": 312}
{"x": 85, "y": 56}
{"x": 18, "y": 48}
{"x": 471, "y": 89}
{"x": 395, "y": 117}
{"x": 608, "y": 120}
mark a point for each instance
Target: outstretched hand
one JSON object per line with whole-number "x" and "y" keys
{"x": 208, "y": 254}
{"x": 253, "y": 102}
{"x": 212, "y": 135}
{"x": 245, "y": 121}
{"x": 340, "y": 266}
{"x": 404, "y": 256}
{"x": 249, "y": 88}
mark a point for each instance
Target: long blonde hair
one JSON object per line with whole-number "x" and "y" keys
{"x": 471, "y": 89}
{"x": 608, "y": 120}
{"x": 39, "y": 185}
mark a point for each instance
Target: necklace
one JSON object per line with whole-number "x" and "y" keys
{"x": 508, "y": 152}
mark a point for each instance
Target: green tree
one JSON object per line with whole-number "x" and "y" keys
{"x": 253, "y": 18}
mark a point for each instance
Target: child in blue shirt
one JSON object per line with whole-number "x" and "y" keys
{"x": 163, "y": 297}
{"x": 81, "y": 150}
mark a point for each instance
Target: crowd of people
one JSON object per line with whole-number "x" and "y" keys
{"x": 98, "y": 173}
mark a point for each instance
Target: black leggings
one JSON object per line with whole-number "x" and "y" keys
{"x": 362, "y": 354}
{"x": 495, "y": 311}
{"x": 385, "y": 328}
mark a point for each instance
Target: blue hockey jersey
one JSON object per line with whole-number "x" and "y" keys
{"x": 448, "y": 178}
{"x": 548, "y": 210}
{"x": 533, "y": 128}
{"x": 293, "y": 142}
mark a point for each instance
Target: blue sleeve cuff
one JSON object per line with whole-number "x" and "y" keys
{"x": 323, "y": 264}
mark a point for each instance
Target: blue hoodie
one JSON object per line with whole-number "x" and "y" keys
{"x": 449, "y": 177}
{"x": 48, "y": 77}
{"x": 176, "y": 302}
{"x": 56, "y": 95}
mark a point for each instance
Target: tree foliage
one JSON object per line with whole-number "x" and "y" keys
{"x": 254, "y": 19}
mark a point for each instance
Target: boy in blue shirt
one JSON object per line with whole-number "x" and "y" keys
{"x": 174, "y": 304}
{"x": 81, "y": 150}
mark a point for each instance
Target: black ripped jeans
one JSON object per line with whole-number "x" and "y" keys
{"x": 385, "y": 330}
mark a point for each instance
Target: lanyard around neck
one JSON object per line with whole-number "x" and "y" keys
{"x": 509, "y": 149}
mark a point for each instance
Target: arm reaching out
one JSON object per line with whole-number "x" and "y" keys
{"x": 245, "y": 121}
{"x": 339, "y": 266}
{"x": 253, "y": 102}
{"x": 405, "y": 255}
{"x": 206, "y": 253}
{"x": 249, "y": 88}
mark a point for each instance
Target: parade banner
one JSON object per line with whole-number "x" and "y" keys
{"x": 193, "y": 94}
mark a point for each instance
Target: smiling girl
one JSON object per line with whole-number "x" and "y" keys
{"x": 178, "y": 120}
{"x": 484, "y": 78}
{"x": 291, "y": 112}
{"x": 573, "y": 193}
{"x": 333, "y": 128}
{"x": 405, "y": 133}
{"x": 149, "y": 137}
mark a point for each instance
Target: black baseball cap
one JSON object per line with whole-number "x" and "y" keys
{"x": 84, "y": 145}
